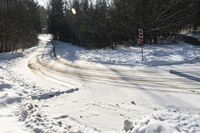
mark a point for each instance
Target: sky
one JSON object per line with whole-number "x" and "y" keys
{"x": 42, "y": 2}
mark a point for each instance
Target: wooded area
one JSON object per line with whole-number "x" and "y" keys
{"x": 19, "y": 24}
{"x": 105, "y": 23}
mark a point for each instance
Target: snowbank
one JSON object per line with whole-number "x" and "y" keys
{"x": 197, "y": 36}
{"x": 169, "y": 121}
{"x": 155, "y": 55}
{"x": 10, "y": 56}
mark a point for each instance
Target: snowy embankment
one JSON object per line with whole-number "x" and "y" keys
{"x": 155, "y": 55}
{"x": 21, "y": 92}
{"x": 13, "y": 91}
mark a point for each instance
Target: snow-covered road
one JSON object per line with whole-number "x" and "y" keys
{"x": 57, "y": 96}
{"x": 108, "y": 95}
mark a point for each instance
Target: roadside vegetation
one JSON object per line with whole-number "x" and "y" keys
{"x": 20, "y": 23}
{"x": 109, "y": 23}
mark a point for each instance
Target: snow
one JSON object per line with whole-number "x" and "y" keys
{"x": 128, "y": 125}
{"x": 169, "y": 121}
{"x": 197, "y": 35}
{"x": 9, "y": 100}
{"x": 155, "y": 55}
{"x": 10, "y": 56}
{"x": 92, "y": 91}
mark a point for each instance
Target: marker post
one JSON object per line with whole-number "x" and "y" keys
{"x": 141, "y": 42}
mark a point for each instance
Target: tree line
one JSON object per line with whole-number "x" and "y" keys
{"x": 96, "y": 24}
{"x": 19, "y": 24}
{"x": 105, "y": 23}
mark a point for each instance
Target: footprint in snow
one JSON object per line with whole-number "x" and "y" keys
{"x": 133, "y": 102}
{"x": 4, "y": 96}
{"x": 5, "y": 86}
{"x": 61, "y": 117}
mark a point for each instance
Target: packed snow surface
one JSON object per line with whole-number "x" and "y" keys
{"x": 111, "y": 91}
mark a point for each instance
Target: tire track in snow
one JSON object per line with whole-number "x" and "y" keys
{"x": 129, "y": 81}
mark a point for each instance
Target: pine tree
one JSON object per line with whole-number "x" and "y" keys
{"x": 103, "y": 23}
{"x": 19, "y": 24}
{"x": 57, "y": 23}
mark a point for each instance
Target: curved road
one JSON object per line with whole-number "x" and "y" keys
{"x": 108, "y": 95}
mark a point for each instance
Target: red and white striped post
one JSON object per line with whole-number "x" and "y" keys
{"x": 141, "y": 42}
